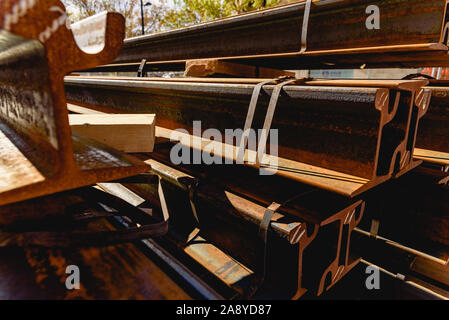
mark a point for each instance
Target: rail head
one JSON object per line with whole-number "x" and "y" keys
{"x": 37, "y": 50}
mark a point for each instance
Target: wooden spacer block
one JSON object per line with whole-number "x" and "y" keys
{"x": 125, "y": 132}
{"x": 213, "y": 67}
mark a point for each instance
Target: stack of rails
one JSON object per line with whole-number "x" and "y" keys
{"x": 120, "y": 271}
{"x": 326, "y": 34}
{"x": 40, "y": 157}
{"x": 38, "y": 153}
{"x": 340, "y": 140}
{"x": 405, "y": 228}
{"x": 309, "y": 240}
{"x": 335, "y": 150}
{"x": 432, "y": 145}
{"x": 344, "y": 146}
{"x": 236, "y": 209}
{"x": 340, "y": 143}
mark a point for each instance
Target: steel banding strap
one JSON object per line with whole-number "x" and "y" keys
{"x": 114, "y": 207}
{"x": 263, "y": 235}
{"x": 250, "y": 117}
{"x": 374, "y": 229}
{"x": 192, "y": 190}
{"x": 262, "y": 251}
{"x": 162, "y": 200}
{"x": 141, "y": 73}
{"x": 305, "y": 25}
{"x": 82, "y": 238}
{"x": 269, "y": 118}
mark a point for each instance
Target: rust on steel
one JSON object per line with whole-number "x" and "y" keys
{"x": 337, "y": 36}
{"x": 311, "y": 236}
{"x": 38, "y": 154}
{"x": 333, "y": 25}
{"x": 345, "y": 136}
{"x": 414, "y": 216}
{"x": 432, "y": 143}
{"x": 24, "y": 267}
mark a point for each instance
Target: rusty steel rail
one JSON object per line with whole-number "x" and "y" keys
{"x": 38, "y": 154}
{"x": 150, "y": 272}
{"x": 432, "y": 144}
{"x": 393, "y": 286}
{"x": 340, "y": 135}
{"x": 414, "y": 210}
{"x": 231, "y": 222}
{"x": 402, "y": 259}
{"x": 310, "y": 240}
{"x": 230, "y": 272}
{"x": 413, "y": 32}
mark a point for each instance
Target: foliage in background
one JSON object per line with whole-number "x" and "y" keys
{"x": 166, "y": 14}
{"x": 188, "y": 12}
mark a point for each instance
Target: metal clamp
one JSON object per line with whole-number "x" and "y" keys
{"x": 374, "y": 229}
{"x": 141, "y": 73}
{"x": 263, "y": 235}
{"x": 192, "y": 190}
{"x": 113, "y": 207}
{"x": 269, "y": 116}
{"x": 305, "y": 26}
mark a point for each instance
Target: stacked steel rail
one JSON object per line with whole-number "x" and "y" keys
{"x": 39, "y": 154}
{"x": 432, "y": 143}
{"x": 304, "y": 35}
{"x": 215, "y": 207}
{"x": 338, "y": 139}
{"x": 343, "y": 146}
{"x": 322, "y": 140}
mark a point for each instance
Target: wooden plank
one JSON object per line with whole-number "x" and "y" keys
{"x": 125, "y": 132}
{"x": 213, "y": 67}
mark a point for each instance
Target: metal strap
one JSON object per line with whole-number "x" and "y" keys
{"x": 400, "y": 276}
{"x": 116, "y": 207}
{"x": 163, "y": 202}
{"x": 262, "y": 256}
{"x": 141, "y": 72}
{"x": 374, "y": 230}
{"x": 250, "y": 117}
{"x": 192, "y": 190}
{"x": 82, "y": 238}
{"x": 265, "y": 224}
{"x": 263, "y": 235}
{"x": 417, "y": 75}
{"x": 89, "y": 215}
{"x": 269, "y": 118}
{"x": 305, "y": 25}
{"x": 269, "y": 212}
